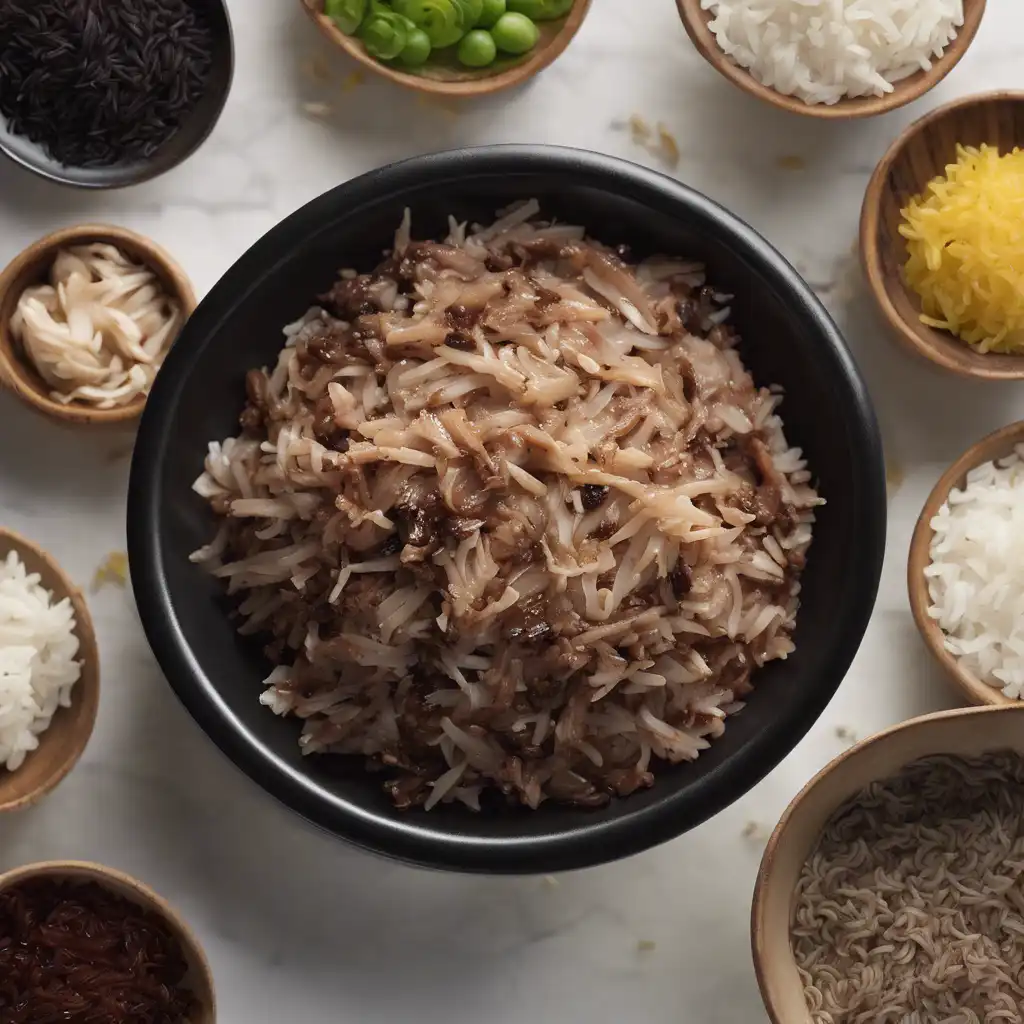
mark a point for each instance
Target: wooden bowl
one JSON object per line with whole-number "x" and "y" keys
{"x": 63, "y": 742}
{"x": 967, "y": 733}
{"x": 199, "y": 977}
{"x": 697, "y": 21}
{"x": 995, "y": 446}
{"x": 920, "y": 154}
{"x": 445, "y": 80}
{"x": 32, "y": 267}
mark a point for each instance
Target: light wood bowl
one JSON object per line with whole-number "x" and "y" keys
{"x": 920, "y": 154}
{"x": 995, "y": 446}
{"x": 967, "y": 733}
{"x": 63, "y": 742}
{"x": 696, "y": 22}
{"x": 443, "y": 80}
{"x": 199, "y": 978}
{"x": 32, "y": 267}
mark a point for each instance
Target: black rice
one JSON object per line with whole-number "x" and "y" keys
{"x": 101, "y": 82}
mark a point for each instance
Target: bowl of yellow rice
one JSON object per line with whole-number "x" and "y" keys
{"x": 942, "y": 236}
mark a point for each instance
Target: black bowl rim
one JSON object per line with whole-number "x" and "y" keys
{"x": 148, "y": 170}
{"x": 587, "y": 842}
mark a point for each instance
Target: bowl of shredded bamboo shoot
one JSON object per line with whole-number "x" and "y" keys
{"x": 87, "y": 315}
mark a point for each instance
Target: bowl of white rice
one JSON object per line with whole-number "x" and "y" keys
{"x": 49, "y": 673}
{"x": 834, "y": 59}
{"x": 491, "y": 513}
{"x": 965, "y": 574}
{"x": 890, "y": 889}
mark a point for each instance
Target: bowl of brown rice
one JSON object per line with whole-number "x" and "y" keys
{"x": 890, "y": 889}
{"x": 491, "y": 512}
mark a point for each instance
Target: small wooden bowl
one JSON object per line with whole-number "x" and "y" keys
{"x": 444, "y": 80}
{"x": 920, "y": 154}
{"x": 32, "y": 267}
{"x": 199, "y": 977}
{"x": 63, "y": 742}
{"x": 966, "y": 733}
{"x": 995, "y": 446}
{"x": 697, "y": 22}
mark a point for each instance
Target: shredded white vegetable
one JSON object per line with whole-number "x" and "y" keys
{"x": 98, "y": 332}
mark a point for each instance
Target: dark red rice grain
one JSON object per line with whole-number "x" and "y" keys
{"x": 75, "y": 952}
{"x": 101, "y": 82}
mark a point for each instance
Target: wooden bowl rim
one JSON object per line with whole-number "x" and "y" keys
{"x": 766, "y": 871}
{"x": 131, "y": 888}
{"x": 15, "y": 374}
{"x": 478, "y": 86}
{"x": 988, "y": 448}
{"x": 695, "y": 21}
{"x": 87, "y": 688}
{"x": 1004, "y": 366}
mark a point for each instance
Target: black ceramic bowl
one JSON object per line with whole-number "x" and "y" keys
{"x": 790, "y": 340}
{"x": 189, "y": 137}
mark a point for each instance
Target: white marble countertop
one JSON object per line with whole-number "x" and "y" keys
{"x": 299, "y": 927}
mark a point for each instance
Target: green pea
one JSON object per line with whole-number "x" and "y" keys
{"x": 477, "y": 49}
{"x": 541, "y": 10}
{"x": 515, "y": 33}
{"x": 346, "y": 14}
{"x": 417, "y": 49}
{"x": 491, "y": 12}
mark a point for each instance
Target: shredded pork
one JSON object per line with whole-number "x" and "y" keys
{"x": 512, "y": 517}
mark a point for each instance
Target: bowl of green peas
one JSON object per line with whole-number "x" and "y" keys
{"x": 451, "y": 47}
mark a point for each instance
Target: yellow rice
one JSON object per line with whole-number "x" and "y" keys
{"x": 965, "y": 244}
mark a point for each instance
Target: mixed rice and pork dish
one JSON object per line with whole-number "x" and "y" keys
{"x": 511, "y": 517}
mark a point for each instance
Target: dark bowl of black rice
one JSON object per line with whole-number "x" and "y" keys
{"x": 508, "y": 533}
{"x": 106, "y": 95}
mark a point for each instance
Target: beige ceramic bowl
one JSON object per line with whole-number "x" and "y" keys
{"x": 459, "y": 82}
{"x": 696, "y": 21}
{"x": 32, "y": 267}
{"x": 199, "y": 978}
{"x": 966, "y": 733}
{"x": 62, "y": 744}
{"x": 995, "y": 446}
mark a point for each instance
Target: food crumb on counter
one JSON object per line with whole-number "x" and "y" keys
{"x": 317, "y": 109}
{"x": 550, "y": 881}
{"x": 791, "y": 162}
{"x": 112, "y": 570}
{"x": 754, "y": 830}
{"x": 646, "y": 946}
{"x": 639, "y": 128}
{"x": 352, "y": 80}
{"x": 895, "y": 474}
{"x": 846, "y": 734}
{"x": 669, "y": 146}
{"x": 657, "y": 140}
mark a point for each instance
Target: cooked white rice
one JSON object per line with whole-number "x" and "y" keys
{"x": 514, "y": 516}
{"x": 825, "y": 50}
{"x": 37, "y": 660}
{"x": 976, "y": 575}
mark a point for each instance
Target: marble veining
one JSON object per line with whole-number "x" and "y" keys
{"x": 298, "y": 927}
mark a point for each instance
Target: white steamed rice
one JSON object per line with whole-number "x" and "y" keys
{"x": 976, "y": 576}
{"x": 825, "y": 50}
{"x": 37, "y": 660}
